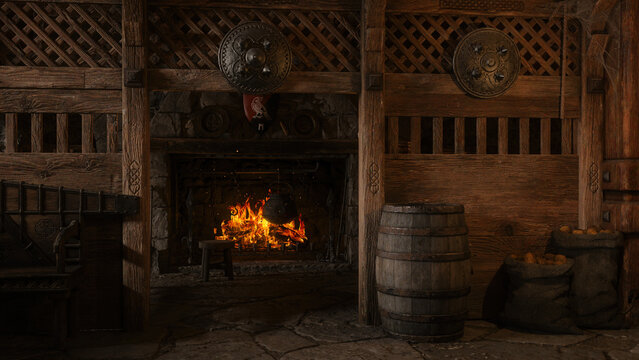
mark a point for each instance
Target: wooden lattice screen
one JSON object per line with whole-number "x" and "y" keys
{"x": 425, "y": 44}
{"x": 185, "y": 38}
{"x": 60, "y": 34}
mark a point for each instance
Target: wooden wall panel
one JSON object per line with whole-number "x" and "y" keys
{"x": 497, "y": 8}
{"x": 438, "y": 95}
{"x": 508, "y": 208}
{"x": 60, "y": 101}
{"x": 95, "y": 172}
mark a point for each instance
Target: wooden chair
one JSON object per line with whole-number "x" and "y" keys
{"x": 217, "y": 245}
{"x": 57, "y": 282}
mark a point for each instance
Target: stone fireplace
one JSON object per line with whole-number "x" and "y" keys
{"x": 207, "y": 161}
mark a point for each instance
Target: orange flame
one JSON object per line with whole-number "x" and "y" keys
{"x": 249, "y": 228}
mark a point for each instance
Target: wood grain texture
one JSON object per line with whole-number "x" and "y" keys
{"x": 502, "y": 135}
{"x": 136, "y": 149}
{"x": 37, "y": 133}
{"x": 112, "y": 133}
{"x": 530, "y": 96}
{"x": 545, "y": 145}
{"x": 213, "y": 80}
{"x": 507, "y": 209}
{"x": 87, "y": 133}
{"x": 591, "y": 137}
{"x": 531, "y": 8}
{"x": 566, "y": 136}
{"x": 630, "y": 79}
{"x": 37, "y": 77}
{"x": 371, "y": 160}
{"x": 94, "y": 172}
{"x": 392, "y": 135}
{"x": 62, "y": 133}
{"x": 524, "y": 136}
{"x": 481, "y": 135}
{"x": 60, "y": 101}
{"x": 438, "y": 135}
{"x": 460, "y": 136}
{"x": 259, "y": 4}
{"x": 415, "y": 135}
{"x": 623, "y": 175}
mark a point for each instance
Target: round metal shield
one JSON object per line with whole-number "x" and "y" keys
{"x": 486, "y": 63}
{"x": 255, "y": 58}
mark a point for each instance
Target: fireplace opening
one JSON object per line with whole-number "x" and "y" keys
{"x": 226, "y": 198}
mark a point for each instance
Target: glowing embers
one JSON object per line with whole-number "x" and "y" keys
{"x": 249, "y": 229}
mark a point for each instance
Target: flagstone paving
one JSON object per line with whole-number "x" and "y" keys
{"x": 299, "y": 316}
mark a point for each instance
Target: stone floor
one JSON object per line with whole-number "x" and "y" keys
{"x": 300, "y": 316}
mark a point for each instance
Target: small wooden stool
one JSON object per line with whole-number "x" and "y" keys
{"x": 217, "y": 245}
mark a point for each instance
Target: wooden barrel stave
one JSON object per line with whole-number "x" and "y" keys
{"x": 423, "y": 272}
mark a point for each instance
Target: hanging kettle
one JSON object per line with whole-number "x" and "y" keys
{"x": 280, "y": 208}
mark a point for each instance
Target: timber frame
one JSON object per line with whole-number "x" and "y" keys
{"x": 105, "y": 56}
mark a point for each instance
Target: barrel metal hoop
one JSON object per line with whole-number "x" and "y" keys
{"x": 432, "y": 319}
{"x": 427, "y": 257}
{"x": 432, "y": 338}
{"x": 424, "y": 294}
{"x": 442, "y": 231}
{"x": 419, "y": 208}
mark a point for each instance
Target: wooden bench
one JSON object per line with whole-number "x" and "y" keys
{"x": 56, "y": 282}
{"x": 217, "y": 245}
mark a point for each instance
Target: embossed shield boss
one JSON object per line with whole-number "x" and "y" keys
{"x": 486, "y": 63}
{"x": 255, "y": 58}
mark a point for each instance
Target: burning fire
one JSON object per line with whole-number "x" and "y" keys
{"x": 249, "y": 228}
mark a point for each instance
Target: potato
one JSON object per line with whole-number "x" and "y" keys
{"x": 578, "y": 231}
{"x": 605, "y": 231}
{"x": 566, "y": 228}
{"x": 549, "y": 256}
{"x": 592, "y": 231}
{"x": 513, "y": 256}
{"x": 529, "y": 258}
{"x": 560, "y": 259}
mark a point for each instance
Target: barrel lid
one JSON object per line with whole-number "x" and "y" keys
{"x": 424, "y": 208}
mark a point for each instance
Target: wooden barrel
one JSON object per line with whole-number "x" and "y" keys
{"x": 423, "y": 271}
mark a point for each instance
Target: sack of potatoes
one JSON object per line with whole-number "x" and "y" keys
{"x": 589, "y": 231}
{"x": 545, "y": 259}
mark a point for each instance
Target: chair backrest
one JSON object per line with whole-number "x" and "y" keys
{"x": 66, "y": 233}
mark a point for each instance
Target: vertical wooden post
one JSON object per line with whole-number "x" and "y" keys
{"x": 112, "y": 133}
{"x": 11, "y": 132}
{"x": 629, "y": 109}
{"x": 37, "y": 133}
{"x": 460, "y": 136}
{"x": 545, "y": 145}
{"x": 502, "y": 135}
{"x": 566, "y": 136}
{"x": 62, "y": 133}
{"x": 524, "y": 135}
{"x": 438, "y": 135}
{"x": 371, "y": 152}
{"x": 415, "y": 135}
{"x": 136, "y": 141}
{"x": 481, "y": 135}
{"x": 591, "y": 136}
{"x": 87, "y": 133}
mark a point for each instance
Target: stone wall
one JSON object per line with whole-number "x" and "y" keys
{"x": 176, "y": 115}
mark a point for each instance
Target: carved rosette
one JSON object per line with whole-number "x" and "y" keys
{"x": 255, "y": 58}
{"x": 486, "y": 63}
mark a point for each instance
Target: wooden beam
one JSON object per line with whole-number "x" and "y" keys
{"x": 214, "y": 81}
{"x": 60, "y": 101}
{"x": 392, "y": 135}
{"x": 502, "y": 135}
{"x": 438, "y": 135}
{"x": 524, "y": 136}
{"x": 38, "y": 77}
{"x": 481, "y": 135}
{"x": 87, "y": 133}
{"x": 545, "y": 135}
{"x": 94, "y": 172}
{"x": 254, "y": 147}
{"x": 37, "y": 133}
{"x": 11, "y": 132}
{"x": 531, "y": 96}
{"x": 371, "y": 154}
{"x": 112, "y": 2}
{"x": 136, "y": 149}
{"x": 599, "y": 15}
{"x": 591, "y": 136}
{"x": 517, "y": 8}
{"x": 332, "y": 5}
{"x": 62, "y": 133}
{"x": 460, "y": 136}
{"x": 630, "y": 79}
{"x": 112, "y": 133}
